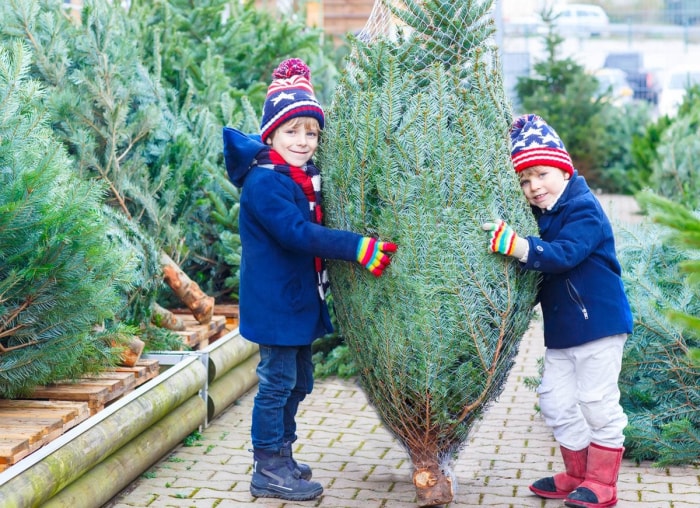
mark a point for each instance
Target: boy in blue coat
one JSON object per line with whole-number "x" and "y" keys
{"x": 586, "y": 315}
{"x": 283, "y": 280}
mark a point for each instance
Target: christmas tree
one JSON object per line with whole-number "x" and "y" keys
{"x": 63, "y": 271}
{"x": 114, "y": 118}
{"x": 660, "y": 382}
{"x": 415, "y": 151}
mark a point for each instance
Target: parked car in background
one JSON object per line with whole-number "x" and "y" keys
{"x": 613, "y": 83}
{"x": 682, "y": 12}
{"x": 582, "y": 20}
{"x": 675, "y": 84}
{"x": 644, "y": 82}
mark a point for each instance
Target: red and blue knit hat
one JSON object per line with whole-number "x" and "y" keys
{"x": 290, "y": 95}
{"x": 534, "y": 143}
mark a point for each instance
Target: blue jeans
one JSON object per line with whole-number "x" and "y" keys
{"x": 285, "y": 377}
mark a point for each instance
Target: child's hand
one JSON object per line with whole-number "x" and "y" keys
{"x": 371, "y": 254}
{"x": 504, "y": 240}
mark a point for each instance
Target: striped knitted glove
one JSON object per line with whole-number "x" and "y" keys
{"x": 371, "y": 254}
{"x": 504, "y": 240}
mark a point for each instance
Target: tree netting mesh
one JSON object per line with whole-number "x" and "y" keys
{"x": 416, "y": 151}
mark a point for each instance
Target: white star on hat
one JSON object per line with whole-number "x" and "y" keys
{"x": 282, "y": 96}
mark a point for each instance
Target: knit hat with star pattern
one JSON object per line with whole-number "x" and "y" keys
{"x": 534, "y": 143}
{"x": 290, "y": 95}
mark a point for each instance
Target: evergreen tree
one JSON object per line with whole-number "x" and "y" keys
{"x": 686, "y": 235}
{"x": 565, "y": 95}
{"x": 213, "y": 58}
{"x": 659, "y": 383}
{"x": 63, "y": 270}
{"x": 415, "y": 151}
{"x": 675, "y": 169}
{"x": 114, "y": 118}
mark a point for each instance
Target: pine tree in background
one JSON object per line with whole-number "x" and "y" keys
{"x": 213, "y": 58}
{"x": 114, "y": 118}
{"x": 415, "y": 151}
{"x": 675, "y": 170}
{"x": 62, "y": 268}
{"x": 659, "y": 382}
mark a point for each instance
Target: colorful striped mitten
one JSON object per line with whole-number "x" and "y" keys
{"x": 504, "y": 240}
{"x": 371, "y": 254}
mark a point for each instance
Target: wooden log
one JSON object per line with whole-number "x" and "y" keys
{"x": 231, "y": 386}
{"x": 132, "y": 353}
{"x": 164, "y": 318}
{"x": 189, "y": 293}
{"x": 228, "y": 354}
{"x": 105, "y": 480}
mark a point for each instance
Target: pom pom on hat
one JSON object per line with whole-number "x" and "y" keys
{"x": 290, "y": 95}
{"x": 535, "y": 143}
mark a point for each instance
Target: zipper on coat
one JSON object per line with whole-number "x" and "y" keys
{"x": 576, "y": 297}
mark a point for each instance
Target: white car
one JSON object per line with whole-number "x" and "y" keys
{"x": 674, "y": 85}
{"x": 582, "y": 20}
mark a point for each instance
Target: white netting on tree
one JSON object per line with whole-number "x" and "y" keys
{"x": 391, "y": 18}
{"x": 415, "y": 151}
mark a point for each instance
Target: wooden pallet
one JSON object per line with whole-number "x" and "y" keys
{"x": 143, "y": 370}
{"x": 27, "y": 425}
{"x": 102, "y": 389}
{"x": 198, "y": 336}
{"x": 228, "y": 310}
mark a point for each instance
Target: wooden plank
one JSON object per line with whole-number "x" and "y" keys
{"x": 93, "y": 394}
{"x": 70, "y": 413}
{"x": 13, "y": 450}
{"x": 117, "y": 382}
{"x": 197, "y": 335}
{"x": 143, "y": 371}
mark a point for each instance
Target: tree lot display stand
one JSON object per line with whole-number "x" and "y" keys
{"x": 94, "y": 461}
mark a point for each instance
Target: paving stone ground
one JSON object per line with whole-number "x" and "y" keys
{"x": 360, "y": 465}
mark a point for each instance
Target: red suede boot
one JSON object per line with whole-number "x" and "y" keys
{"x": 562, "y": 484}
{"x": 599, "y": 489}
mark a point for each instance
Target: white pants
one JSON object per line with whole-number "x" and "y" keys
{"x": 579, "y": 395}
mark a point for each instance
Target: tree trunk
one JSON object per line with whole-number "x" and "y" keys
{"x": 201, "y": 305}
{"x": 433, "y": 486}
{"x": 163, "y": 318}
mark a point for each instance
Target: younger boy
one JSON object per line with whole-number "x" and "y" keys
{"x": 586, "y": 315}
{"x": 283, "y": 281}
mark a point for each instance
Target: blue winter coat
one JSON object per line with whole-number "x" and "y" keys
{"x": 581, "y": 291}
{"x": 279, "y": 303}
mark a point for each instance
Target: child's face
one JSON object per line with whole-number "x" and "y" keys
{"x": 296, "y": 140}
{"x": 542, "y": 185}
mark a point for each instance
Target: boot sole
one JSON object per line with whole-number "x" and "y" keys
{"x": 545, "y": 494}
{"x": 288, "y": 496}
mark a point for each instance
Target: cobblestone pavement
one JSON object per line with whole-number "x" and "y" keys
{"x": 359, "y": 464}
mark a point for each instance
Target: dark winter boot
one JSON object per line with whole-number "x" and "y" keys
{"x": 599, "y": 489}
{"x": 304, "y": 470}
{"x": 275, "y": 476}
{"x": 561, "y": 485}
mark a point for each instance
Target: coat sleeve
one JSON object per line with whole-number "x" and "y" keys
{"x": 282, "y": 210}
{"x": 580, "y": 232}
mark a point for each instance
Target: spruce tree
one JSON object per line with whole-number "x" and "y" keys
{"x": 415, "y": 151}
{"x": 675, "y": 169}
{"x": 63, "y": 271}
{"x": 659, "y": 381}
{"x": 114, "y": 118}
